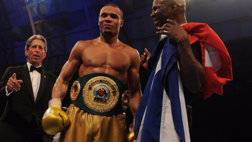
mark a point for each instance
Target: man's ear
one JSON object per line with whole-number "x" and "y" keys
{"x": 122, "y": 22}
{"x": 98, "y": 22}
{"x": 178, "y": 9}
{"x": 26, "y": 54}
{"x": 44, "y": 55}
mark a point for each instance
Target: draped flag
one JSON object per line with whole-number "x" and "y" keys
{"x": 161, "y": 115}
{"x": 219, "y": 71}
{"x": 162, "y": 92}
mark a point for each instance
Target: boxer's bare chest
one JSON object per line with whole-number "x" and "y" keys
{"x": 106, "y": 57}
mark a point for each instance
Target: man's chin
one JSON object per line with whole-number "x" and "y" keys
{"x": 108, "y": 34}
{"x": 35, "y": 62}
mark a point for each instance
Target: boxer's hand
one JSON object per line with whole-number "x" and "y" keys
{"x": 55, "y": 119}
{"x": 13, "y": 84}
{"x": 145, "y": 57}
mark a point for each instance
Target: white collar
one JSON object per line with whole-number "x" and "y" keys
{"x": 162, "y": 36}
{"x": 29, "y": 65}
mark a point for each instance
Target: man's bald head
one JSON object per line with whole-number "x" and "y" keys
{"x": 180, "y": 2}
{"x": 176, "y": 2}
{"x": 168, "y": 9}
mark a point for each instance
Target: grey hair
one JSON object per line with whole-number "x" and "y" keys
{"x": 39, "y": 37}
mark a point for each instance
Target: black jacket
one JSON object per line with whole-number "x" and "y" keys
{"x": 21, "y": 113}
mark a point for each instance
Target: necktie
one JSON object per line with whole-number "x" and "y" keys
{"x": 39, "y": 69}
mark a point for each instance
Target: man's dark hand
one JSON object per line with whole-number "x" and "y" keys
{"x": 173, "y": 30}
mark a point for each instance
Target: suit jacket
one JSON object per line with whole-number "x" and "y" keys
{"x": 21, "y": 112}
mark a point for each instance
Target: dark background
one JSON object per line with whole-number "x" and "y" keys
{"x": 63, "y": 22}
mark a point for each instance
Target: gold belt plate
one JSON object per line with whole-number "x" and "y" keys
{"x": 101, "y": 94}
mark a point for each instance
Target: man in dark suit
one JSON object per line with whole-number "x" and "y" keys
{"x": 27, "y": 90}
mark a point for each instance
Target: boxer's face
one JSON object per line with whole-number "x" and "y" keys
{"x": 36, "y": 53}
{"x": 110, "y": 20}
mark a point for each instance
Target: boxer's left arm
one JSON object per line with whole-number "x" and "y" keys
{"x": 134, "y": 83}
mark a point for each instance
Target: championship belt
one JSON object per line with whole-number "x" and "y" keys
{"x": 75, "y": 90}
{"x": 98, "y": 94}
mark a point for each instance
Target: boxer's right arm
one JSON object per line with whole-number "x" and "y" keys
{"x": 55, "y": 119}
{"x": 69, "y": 68}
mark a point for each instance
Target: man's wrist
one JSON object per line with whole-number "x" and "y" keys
{"x": 183, "y": 44}
{"x": 55, "y": 102}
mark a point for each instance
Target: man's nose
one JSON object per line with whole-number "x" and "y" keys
{"x": 108, "y": 19}
{"x": 37, "y": 49}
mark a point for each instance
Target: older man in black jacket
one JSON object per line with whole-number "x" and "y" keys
{"x": 26, "y": 89}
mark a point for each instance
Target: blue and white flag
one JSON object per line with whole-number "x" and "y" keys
{"x": 161, "y": 116}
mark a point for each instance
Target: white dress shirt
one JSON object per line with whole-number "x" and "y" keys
{"x": 35, "y": 80}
